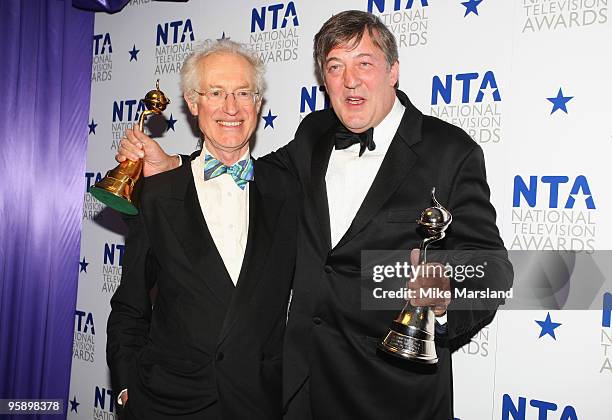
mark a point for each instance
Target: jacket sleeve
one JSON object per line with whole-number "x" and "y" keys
{"x": 130, "y": 317}
{"x": 474, "y": 231}
{"x": 284, "y": 158}
{"x": 295, "y": 157}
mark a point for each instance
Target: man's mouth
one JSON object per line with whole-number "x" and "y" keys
{"x": 355, "y": 100}
{"x": 229, "y": 123}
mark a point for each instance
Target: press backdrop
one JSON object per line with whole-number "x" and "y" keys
{"x": 528, "y": 80}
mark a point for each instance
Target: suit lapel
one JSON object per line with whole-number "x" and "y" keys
{"x": 393, "y": 171}
{"x": 320, "y": 159}
{"x": 183, "y": 212}
{"x": 263, "y": 213}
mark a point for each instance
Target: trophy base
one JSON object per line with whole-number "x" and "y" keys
{"x": 409, "y": 348}
{"x": 114, "y": 201}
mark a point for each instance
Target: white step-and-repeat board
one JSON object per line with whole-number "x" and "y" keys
{"x": 529, "y": 80}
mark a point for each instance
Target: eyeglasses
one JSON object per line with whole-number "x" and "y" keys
{"x": 218, "y": 96}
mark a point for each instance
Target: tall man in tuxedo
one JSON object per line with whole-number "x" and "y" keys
{"x": 217, "y": 238}
{"x": 366, "y": 169}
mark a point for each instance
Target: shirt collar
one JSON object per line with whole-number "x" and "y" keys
{"x": 385, "y": 131}
{"x": 200, "y": 159}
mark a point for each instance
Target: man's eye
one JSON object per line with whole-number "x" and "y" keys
{"x": 365, "y": 64}
{"x": 215, "y": 93}
{"x": 333, "y": 67}
{"x": 243, "y": 93}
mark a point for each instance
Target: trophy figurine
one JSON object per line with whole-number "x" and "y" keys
{"x": 118, "y": 189}
{"x": 411, "y": 335}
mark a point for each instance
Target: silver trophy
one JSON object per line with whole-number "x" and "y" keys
{"x": 411, "y": 335}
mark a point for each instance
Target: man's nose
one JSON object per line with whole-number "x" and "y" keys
{"x": 351, "y": 79}
{"x": 230, "y": 106}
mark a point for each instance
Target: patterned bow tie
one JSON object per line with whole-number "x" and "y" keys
{"x": 346, "y": 138}
{"x": 241, "y": 172}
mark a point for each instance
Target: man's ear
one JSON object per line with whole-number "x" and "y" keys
{"x": 193, "y": 106}
{"x": 258, "y": 106}
{"x": 394, "y": 73}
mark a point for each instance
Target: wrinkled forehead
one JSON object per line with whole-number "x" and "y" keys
{"x": 226, "y": 70}
{"x": 361, "y": 43}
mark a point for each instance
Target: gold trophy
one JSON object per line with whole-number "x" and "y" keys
{"x": 411, "y": 335}
{"x": 119, "y": 189}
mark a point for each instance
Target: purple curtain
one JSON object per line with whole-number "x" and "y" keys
{"x": 45, "y": 85}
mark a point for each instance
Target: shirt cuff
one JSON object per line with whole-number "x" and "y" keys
{"x": 120, "y": 395}
{"x": 441, "y": 325}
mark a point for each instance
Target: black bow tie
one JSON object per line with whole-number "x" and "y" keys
{"x": 346, "y": 138}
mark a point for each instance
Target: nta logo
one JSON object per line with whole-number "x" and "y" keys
{"x": 129, "y": 105}
{"x": 84, "y": 322}
{"x": 180, "y": 31}
{"x": 529, "y": 192}
{"x": 314, "y": 97}
{"x": 259, "y": 17}
{"x": 444, "y": 88}
{"x": 607, "y": 310}
{"x": 92, "y": 178}
{"x": 100, "y": 401}
{"x": 397, "y": 4}
{"x": 512, "y": 411}
{"x": 104, "y": 47}
{"x": 111, "y": 251}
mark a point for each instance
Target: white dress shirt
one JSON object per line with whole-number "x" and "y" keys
{"x": 225, "y": 207}
{"x": 349, "y": 177}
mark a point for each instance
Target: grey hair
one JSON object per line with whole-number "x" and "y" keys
{"x": 348, "y": 28}
{"x": 190, "y": 77}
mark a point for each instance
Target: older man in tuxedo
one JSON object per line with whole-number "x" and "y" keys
{"x": 366, "y": 168}
{"x": 216, "y": 238}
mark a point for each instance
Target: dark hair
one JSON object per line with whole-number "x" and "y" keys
{"x": 348, "y": 27}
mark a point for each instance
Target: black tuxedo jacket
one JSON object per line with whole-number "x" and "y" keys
{"x": 330, "y": 342}
{"x": 205, "y": 348}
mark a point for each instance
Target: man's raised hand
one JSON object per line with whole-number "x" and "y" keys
{"x": 136, "y": 145}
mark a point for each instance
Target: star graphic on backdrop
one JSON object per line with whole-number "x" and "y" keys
{"x": 223, "y": 37}
{"x": 471, "y": 7}
{"x": 74, "y": 404}
{"x": 548, "y": 327}
{"x": 488, "y": 92}
{"x": 134, "y": 53}
{"x": 171, "y": 123}
{"x": 559, "y": 102}
{"x": 83, "y": 265}
{"x": 269, "y": 119}
{"x": 92, "y": 127}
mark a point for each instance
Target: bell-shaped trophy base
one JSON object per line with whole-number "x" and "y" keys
{"x": 114, "y": 200}
{"x": 403, "y": 341}
{"x": 119, "y": 189}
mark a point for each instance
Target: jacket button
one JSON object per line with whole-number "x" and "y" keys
{"x": 317, "y": 321}
{"x": 328, "y": 269}
{"x": 220, "y": 356}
